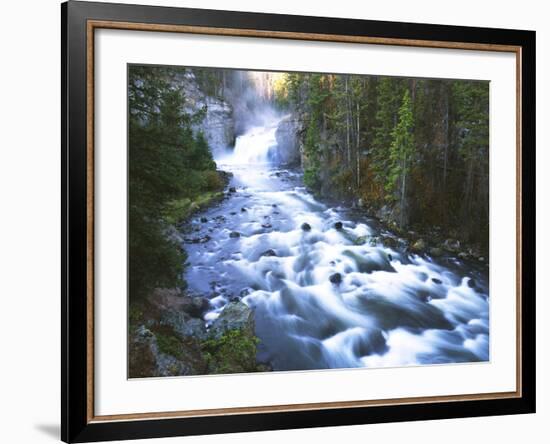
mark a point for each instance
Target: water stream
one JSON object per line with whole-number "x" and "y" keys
{"x": 325, "y": 296}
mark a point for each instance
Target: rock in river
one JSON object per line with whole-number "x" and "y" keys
{"x": 235, "y": 316}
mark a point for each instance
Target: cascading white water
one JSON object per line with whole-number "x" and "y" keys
{"x": 389, "y": 308}
{"x": 255, "y": 145}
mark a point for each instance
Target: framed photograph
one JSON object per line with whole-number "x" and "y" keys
{"x": 276, "y": 221}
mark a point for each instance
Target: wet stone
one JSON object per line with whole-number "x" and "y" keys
{"x": 245, "y": 292}
{"x": 335, "y": 278}
{"x": 437, "y": 281}
{"x": 234, "y": 234}
{"x": 338, "y": 225}
{"x": 232, "y": 190}
{"x": 306, "y": 226}
{"x": 243, "y": 210}
{"x": 204, "y": 220}
{"x": 269, "y": 252}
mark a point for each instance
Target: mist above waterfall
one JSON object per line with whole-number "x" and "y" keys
{"x": 251, "y": 96}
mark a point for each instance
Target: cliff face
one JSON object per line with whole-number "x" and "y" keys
{"x": 288, "y": 141}
{"x": 218, "y": 124}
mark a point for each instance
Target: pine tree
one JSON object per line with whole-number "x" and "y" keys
{"x": 401, "y": 152}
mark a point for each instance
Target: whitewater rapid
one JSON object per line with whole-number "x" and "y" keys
{"x": 390, "y": 308}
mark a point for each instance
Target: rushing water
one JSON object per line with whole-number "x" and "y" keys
{"x": 390, "y": 308}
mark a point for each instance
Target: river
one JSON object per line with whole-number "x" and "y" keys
{"x": 327, "y": 295}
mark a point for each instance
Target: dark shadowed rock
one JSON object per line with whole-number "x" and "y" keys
{"x": 232, "y": 190}
{"x": 335, "y": 278}
{"x": 367, "y": 263}
{"x": 306, "y": 226}
{"x": 245, "y": 292}
{"x": 436, "y": 252}
{"x": 451, "y": 245}
{"x": 198, "y": 306}
{"x": 234, "y": 234}
{"x": 269, "y": 252}
{"x": 204, "y": 220}
{"x": 266, "y": 225}
{"x": 437, "y": 281}
{"x": 387, "y": 241}
{"x": 243, "y": 210}
{"x": 338, "y": 225}
{"x": 182, "y": 323}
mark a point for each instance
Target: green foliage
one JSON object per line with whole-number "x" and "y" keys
{"x": 401, "y": 149}
{"x": 181, "y": 209}
{"x": 472, "y": 110}
{"x": 167, "y": 162}
{"x": 311, "y": 177}
{"x": 389, "y": 95}
{"x": 169, "y": 344}
{"x": 234, "y": 352}
{"x": 419, "y": 146}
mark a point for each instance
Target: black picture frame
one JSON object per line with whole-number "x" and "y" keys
{"x": 76, "y": 424}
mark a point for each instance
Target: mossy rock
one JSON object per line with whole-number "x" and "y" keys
{"x": 232, "y": 352}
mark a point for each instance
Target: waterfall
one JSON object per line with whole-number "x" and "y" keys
{"x": 256, "y": 145}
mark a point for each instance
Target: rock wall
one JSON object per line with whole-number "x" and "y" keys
{"x": 288, "y": 141}
{"x": 218, "y": 124}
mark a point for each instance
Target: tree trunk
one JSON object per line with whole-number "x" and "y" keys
{"x": 403, "y": 189}
{"x": 348, "y": 136}
{"x": 358, "y": 139}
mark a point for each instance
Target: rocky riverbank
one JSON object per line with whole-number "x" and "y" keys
{"x": 433, "y": 240}
{"x": 168, "y": 337}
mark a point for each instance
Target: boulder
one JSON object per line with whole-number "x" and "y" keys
{"x": 183, "y": 324}
{"x": 451, "y": 245}
{"x": 306, "y": 227}
{"x": 376, "y": 260}
{"x": 235, "y": 316}
{"x": 419, "y": 246}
